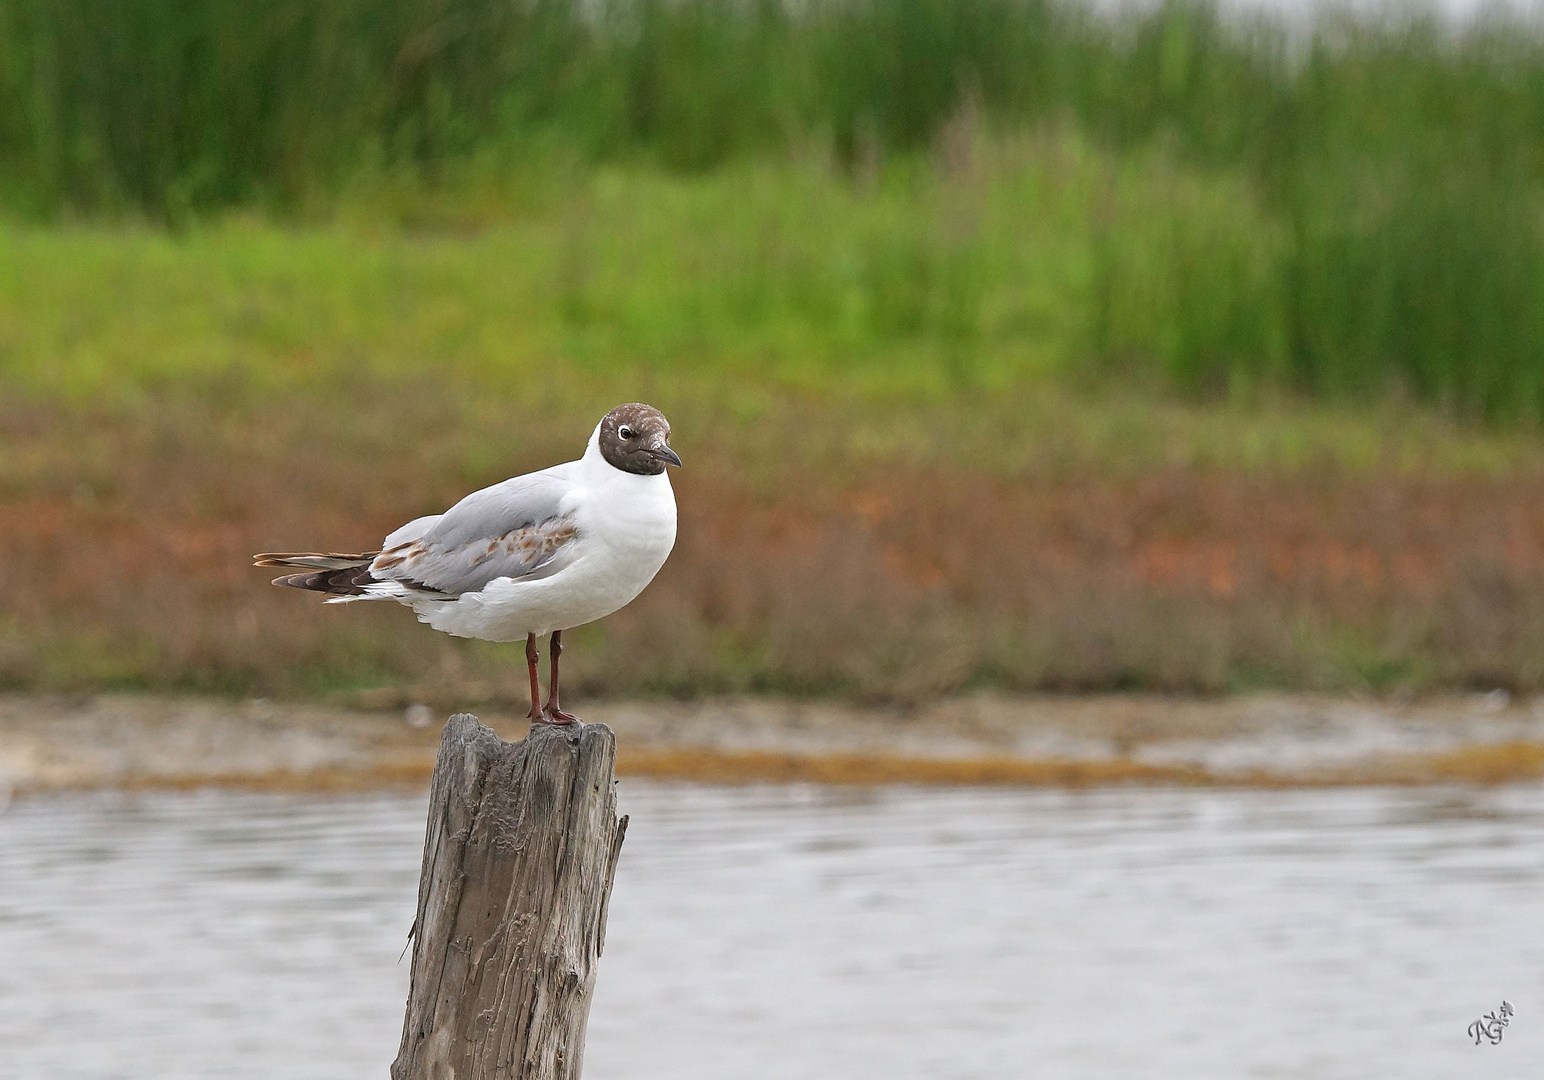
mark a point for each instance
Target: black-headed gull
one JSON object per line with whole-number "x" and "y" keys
{"x": 540, "y": 553}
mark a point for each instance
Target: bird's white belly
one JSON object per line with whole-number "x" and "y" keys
{"x": 611, "y": 568}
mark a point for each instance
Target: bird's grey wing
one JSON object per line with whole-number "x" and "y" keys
{"x": 411, "y": 531}
{"x": 516, "y": 529}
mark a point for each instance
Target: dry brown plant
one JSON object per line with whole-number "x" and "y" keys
{"x": 125, "y": 540}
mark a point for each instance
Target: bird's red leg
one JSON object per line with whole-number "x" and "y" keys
{"x": 554, "y": 713}
{"x": 530, "y": 662}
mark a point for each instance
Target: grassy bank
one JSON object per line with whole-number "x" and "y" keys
{"x": 1349, "y": 212}
{"x": 1040, "y": 259}
{"x": 1024, "y": 542}
{"x": 1003, "y": 260}
{"x": 1007, "y": 346}
{"x": 930, "y": 422}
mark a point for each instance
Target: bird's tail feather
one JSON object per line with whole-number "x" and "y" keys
{"x": 334, "y": 574}
{"x": 313, "y": 560}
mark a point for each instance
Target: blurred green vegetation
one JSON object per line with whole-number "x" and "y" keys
{"x": 1016, "y": 266}
{"x": 942, "y": 191}
{"x": 1206, "y": 287}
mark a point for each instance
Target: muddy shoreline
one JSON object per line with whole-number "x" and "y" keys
{"x": 131, "y": 741}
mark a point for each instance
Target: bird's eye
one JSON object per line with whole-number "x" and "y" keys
{"x": 626, "y": 433}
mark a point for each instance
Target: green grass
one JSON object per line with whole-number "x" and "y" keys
{"x": 884, "y": 497}
{"x": 1030, "y": 269}
{"x": 925, "y": 193}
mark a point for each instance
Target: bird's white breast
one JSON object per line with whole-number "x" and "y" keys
{"x": 626, "y": 526}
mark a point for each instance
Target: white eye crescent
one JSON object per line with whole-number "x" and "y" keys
{"x": 626, "y": 433}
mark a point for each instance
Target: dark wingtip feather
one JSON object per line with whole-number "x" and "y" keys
{"x": 346, "y": 582}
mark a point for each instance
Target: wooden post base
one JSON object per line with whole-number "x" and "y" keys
{"x": 519, "y": 857}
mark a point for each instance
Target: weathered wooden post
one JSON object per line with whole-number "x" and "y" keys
{"x": 519, "y": 856}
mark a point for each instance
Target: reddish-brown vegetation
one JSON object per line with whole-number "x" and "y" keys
{"x": 125, "y": 542}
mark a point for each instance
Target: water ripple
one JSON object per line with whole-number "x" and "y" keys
{"x": 772, "y": 932}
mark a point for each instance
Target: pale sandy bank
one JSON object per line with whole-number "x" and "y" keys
{"x": 55, "y": 743}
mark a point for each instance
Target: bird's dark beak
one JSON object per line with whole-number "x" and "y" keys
{"x": 665, "y": 454}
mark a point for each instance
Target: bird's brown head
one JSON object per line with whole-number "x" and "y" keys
{"x": 636, "y": 438}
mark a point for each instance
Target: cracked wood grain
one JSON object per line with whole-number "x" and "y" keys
{"x": 519, "y": 857}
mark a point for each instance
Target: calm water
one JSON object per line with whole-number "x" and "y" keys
{"x": 810, "y": 933}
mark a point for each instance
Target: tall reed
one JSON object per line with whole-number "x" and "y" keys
{"x": 1396, "y": 167}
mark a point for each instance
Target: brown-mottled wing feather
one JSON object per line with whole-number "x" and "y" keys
{"x": 527, "y": 552}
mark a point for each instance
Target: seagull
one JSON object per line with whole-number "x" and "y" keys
{"x": 536, "y": 554}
